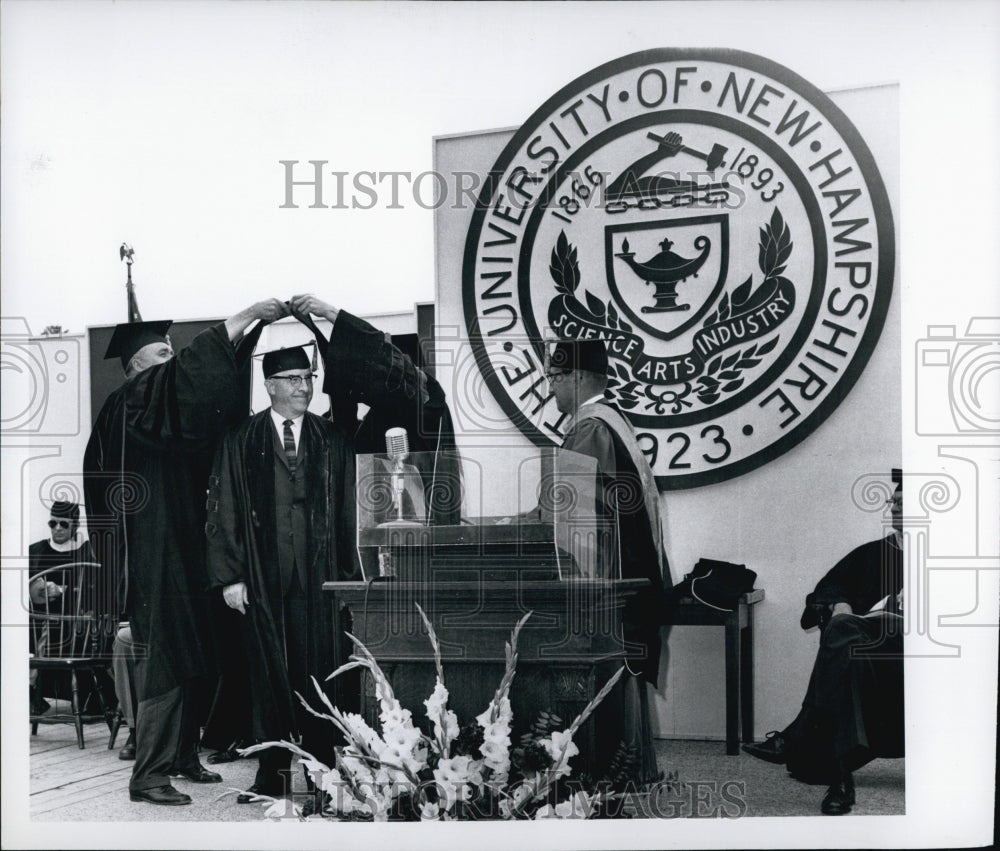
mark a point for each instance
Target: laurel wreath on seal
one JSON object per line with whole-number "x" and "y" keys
{"x": 722, "y": 374}
{"x": 565, "y": 271}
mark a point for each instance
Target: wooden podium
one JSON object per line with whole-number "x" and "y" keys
{"x": 569, "y": 647}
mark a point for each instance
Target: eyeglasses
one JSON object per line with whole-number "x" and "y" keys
{"x": 556, "y": 377}
{"x": 61, "y": 524}
{"x": 294, "y": 381}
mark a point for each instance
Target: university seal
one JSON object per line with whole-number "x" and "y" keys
{"x": 718, "y": 222}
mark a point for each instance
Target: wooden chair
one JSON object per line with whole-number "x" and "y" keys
{"x": 68, "y": 633}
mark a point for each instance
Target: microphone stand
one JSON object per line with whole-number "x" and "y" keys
{"x": 398, "y": 450}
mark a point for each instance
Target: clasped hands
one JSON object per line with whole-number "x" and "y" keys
{"x": 299, "y": 306}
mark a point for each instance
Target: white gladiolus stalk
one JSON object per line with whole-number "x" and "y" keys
{"x": 444, "y": 720}
{"x": 497, "y": 718}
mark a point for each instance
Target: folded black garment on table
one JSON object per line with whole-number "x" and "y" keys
{"x": 716, "y": 584}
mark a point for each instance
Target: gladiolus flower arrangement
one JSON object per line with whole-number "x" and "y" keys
{"x": 400, "y": 773}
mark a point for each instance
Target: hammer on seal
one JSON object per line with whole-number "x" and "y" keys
{"x": 673, "y": 142}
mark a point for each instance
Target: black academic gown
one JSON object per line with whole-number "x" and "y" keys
{"x": 145, "y": 471}
{"x": 361, "y": 366}
{"x": 242, "y": 547}
{"x": 853, "y": 709}
{"x": 861, "y": 578}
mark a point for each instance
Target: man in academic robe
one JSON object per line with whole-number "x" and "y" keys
{"x": 281, "y": 523}
{"x": 853, "y": 708}
{"x": 362, "y": 366}
{"x": 145, "y": 472}
{"x": 628, "y": 502}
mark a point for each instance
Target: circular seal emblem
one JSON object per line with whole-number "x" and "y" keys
{"x": 718, "y": 222}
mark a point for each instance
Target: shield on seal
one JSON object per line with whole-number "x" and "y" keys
{"x": 665, "y": 274}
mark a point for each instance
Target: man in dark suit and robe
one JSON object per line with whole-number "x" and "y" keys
{"x": 361, "y": 367}
{"x": 145, "y": 468}
{"x": 281, "y": 523}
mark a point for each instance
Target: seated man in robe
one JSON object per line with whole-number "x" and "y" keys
{"x": 64, "y": 545}
{"x": 853, "y": 708}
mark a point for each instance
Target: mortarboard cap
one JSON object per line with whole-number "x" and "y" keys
{"x": 129, "y": 337}
{"x": 69, "y": 510}
{"x": 282, "y": 359}
{"x": 588, "y": 355}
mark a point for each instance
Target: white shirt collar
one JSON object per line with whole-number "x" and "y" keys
{"x": 72, "y": 544}
{"x": 593, "y": 399}
{"x": 279, "y": 424}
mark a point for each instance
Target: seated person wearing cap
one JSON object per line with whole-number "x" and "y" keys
{"x": 853, "y": 708}
{"x": 577, "y": 372}
{"x": 281, "y": 523}
{"x": 64, "y": 545}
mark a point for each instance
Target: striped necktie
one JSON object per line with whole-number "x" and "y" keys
{"x": 289, "y": 442}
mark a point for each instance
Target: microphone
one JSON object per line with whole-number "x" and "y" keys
{"x": 397, "y": 447}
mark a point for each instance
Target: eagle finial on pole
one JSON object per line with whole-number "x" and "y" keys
{"x": 125, "y": 253}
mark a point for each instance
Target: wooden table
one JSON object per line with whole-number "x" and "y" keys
{"x": 739, "y": 659}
